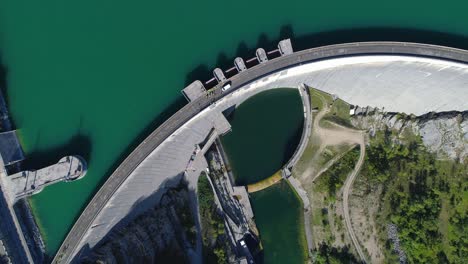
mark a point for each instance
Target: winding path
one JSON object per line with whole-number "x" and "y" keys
{"x": 70, "y": 246}
{"x": 346, "y": 191}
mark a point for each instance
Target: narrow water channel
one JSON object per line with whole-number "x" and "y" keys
{"x": 265, "y": 132}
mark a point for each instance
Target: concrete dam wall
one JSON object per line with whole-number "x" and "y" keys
{"x": 412, "y": 78}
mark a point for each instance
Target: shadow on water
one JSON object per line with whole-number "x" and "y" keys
{"x": 203, "y": 72}
{"x": 3, "y": 86}
{"x": 3, "y": 83}
{"x": 305, "y": 41}
{"x": 81, "y": 144}
{"x": 78, "y": 145}
{"x": 292, "y": 144}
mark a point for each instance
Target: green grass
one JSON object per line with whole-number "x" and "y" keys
{"x": 213, "y": 228}
{"x": 339, "y": 111}
{"x": 334, "y": 177}
{"x": 316, "y": 97}
{"x": 306, "y": 158}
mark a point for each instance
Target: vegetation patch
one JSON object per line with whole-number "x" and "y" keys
{"x": 334, "y": 177}
{"x": 424, "y": 197}
{"x": 213, "y": 228}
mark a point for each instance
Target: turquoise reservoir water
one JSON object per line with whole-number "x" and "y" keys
{"x": 89, "y": 76}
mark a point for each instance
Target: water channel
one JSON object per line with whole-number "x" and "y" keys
{"x": 87, "y": 77}
{"x": 266, "y": 129}
{"x": 265, "y": 132}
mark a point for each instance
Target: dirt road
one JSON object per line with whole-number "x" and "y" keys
{"x": 346, "y": 191}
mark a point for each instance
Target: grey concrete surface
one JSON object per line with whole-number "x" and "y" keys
{"x": 26, "y": 183}
{"x": 285, "y": 47}
{"x": 261, "y": 55}
{"x": 194, "y": 91}
{"x": 219, "y": 75}
{"x": 10, "y": 229}
{"x": 380, "y": 81}
{"x": 306, "y": 130}
{"x": 240, "y": 64}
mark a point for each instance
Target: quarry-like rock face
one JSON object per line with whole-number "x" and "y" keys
{"x": 445, "y": 134}
{"x": 157, "y": 236}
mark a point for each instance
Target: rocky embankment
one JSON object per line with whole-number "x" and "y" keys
{"x": 445, "y": 133}
{"x": 158, "y": 236}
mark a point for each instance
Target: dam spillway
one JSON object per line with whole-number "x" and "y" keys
{"x": 406, "y": 77}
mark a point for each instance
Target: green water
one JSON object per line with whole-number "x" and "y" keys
{"x": 88, "y": 76}
{"x": 266, "y": 129}
{"x": 278, "y": 215}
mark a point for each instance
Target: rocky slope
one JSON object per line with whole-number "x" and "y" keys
{"x": 157, "y": 236}
{"x": 445, "y": 134}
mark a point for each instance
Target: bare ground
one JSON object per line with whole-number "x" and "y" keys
{"x": 364, "y": 205}
{"x": 338, "y": 230}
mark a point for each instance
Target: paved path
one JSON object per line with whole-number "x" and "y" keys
{"x": 69, "y": 247}
{"x": 306, "y": 130}
{"x": 346, "y": 190}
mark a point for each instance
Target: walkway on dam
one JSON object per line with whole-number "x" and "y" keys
{"x": 69, "y": 247}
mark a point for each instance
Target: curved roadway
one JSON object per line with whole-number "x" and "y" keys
{"x": 347, "y": 188}
{"x": 67, "y": 249}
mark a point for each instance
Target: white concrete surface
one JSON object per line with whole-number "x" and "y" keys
{"x": 397, "y": 83}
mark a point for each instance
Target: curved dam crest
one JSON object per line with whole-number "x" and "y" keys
{"x": 163, "y": 156}
{"x": 413, "y": 85}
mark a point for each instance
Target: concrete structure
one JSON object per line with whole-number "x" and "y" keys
{"x": 219, "y": 75}
{"x": 408, "y": 77}
{"x": 285, "y": 47}
{"x": 23, "y": 184}
{"x": 306, "y": 130}
{"x": 261, "y": 55}
{"x": 194, "y": 91}
{"x": 240, "y": 64}
{"x": 27, "y": 183}
{"x": 20, "y": 247}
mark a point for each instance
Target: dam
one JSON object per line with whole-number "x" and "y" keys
{"x": 405, "y": 77}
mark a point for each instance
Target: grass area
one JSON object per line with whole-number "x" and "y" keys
{"x": 331, "y": 152}
{"x": 325, "y": 223}
{"x": 339, "y": 114}
{"x": 318, "y": 98}
{"x": 307, "y": 157}
{"x": 213, "y": 229}
{"x": 263, "y": 184}
{"x": 334, "y": 177}
{"x": 339, "y": 109}
{"x": 425, "y": 197}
